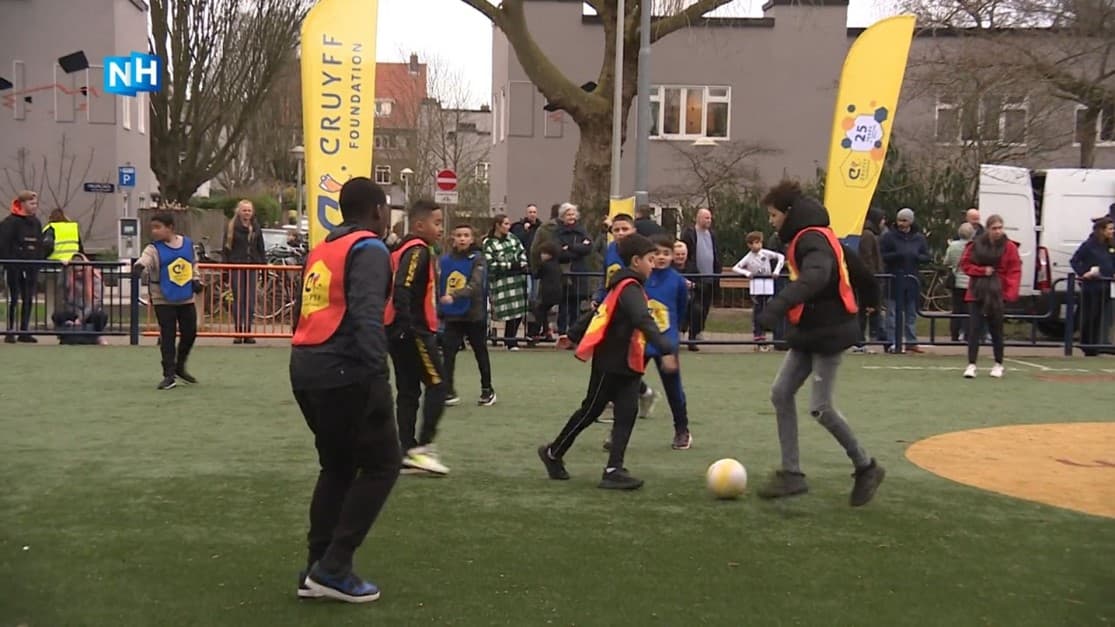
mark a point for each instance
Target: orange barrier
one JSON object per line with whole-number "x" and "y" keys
{"x": 226, "y": 296}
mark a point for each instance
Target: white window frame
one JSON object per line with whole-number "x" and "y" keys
{"x": 1100, "y": 143}
{"x": 383, "y": 170}
{"x": 1023, "y": 105}
{"x": 388, "y": 104}
{"x": 141, "y": 113}
{"x": 502, "y": 114}
{"x": 658, "y": 96}
{"x": 483, "y": 168}
{"x": 126, "y": 113}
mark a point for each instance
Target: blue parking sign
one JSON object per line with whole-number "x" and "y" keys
{"x": 127, "y": 176}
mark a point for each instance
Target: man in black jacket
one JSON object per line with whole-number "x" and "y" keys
{"x": 820, "y": 304}
{"x": 644, "y": 222}
{"x": 340, "y": 378}
{"x": 704, "y": 259}
{"x": 614, "y": 344}
{"x": 21, "y": 238}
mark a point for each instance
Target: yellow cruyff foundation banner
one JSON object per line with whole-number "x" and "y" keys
{"x": 865, "y": 107}
{"x": 338, "y": 103}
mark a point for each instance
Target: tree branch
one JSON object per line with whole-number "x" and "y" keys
{"x": 662, "y": 26}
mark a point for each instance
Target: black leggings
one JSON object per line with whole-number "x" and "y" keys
{"x": 176, "y": 319}
{"x": 21, "y": 287}
{"x": 976, "y": 321}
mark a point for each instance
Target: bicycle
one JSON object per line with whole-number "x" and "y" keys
{"x": 936, "y": 294}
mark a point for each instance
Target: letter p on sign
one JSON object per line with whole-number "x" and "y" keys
{"x": 127, "y": 76}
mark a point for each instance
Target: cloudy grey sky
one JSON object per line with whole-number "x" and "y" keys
{"x": 457, "y": 35}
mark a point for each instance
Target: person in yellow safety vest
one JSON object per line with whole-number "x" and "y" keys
{"x": 61, "y": 237}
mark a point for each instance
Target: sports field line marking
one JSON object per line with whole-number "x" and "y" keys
{"x": 1030, "y": 364}
{"x": 958, "y": 368}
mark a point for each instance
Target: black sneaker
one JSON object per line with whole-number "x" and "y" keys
{"x": 619, "y": 479}
{"x": 9, "y": 339}
{"x": 682, "y": 441}
{"x": 167, "y": 383}
{"x": 452, "y": 400}
{"x": 28, "y": 339}
{"x": 867, "y": 479}
{"x": 554, "y": 467}
{"x": 185, "y": 376}
{"x": 249, "y": 340}
{"x": 487, "y": 398}
{"x": 783, "y": 483}
{"x": 238, "y": 340}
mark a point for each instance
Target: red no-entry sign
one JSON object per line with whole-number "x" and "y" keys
{"x": 447, "y": 180}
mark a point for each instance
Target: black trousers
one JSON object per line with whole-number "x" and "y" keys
{"x": 243, "y": 299}
{"x": 176, "y": 320}
{"x": 977, "y": 322}
{"x": 603, "y": 388}
{"x": 1094, "y": 321}
{"x": 358, "y": 450}
{"x": 417, "y": 361}
{"x": 477, "y": 334}
{"x": 702, "y": 303}
{"x": 958, "y": 307}
{"x": 22, "y": 284}
{"x": 541, "y": 326}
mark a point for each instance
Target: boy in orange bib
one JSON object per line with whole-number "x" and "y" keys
{"x": 615, "y": 341}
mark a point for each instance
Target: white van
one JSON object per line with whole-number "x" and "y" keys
{"x": 1049, "y": 213}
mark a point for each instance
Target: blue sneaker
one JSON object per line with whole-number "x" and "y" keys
{"x": 304, "y": 591}
{"x": 347, "y": 587}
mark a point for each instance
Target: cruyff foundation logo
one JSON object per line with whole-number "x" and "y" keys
{"x": 863, "y": 138}
{"x": 329, "y": 184}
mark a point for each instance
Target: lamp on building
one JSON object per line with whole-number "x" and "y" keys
{"x": 74, "y": 62}
{"x": 299, "y": 154}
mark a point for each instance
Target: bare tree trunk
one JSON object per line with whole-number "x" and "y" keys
{"x": 592, "y": 169}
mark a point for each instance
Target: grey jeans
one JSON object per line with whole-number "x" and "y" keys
{"x": 796, "y": 368}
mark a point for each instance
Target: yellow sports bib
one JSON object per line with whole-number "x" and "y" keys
{"x": 180, "y": 272}
{"x": 315, "y": 292}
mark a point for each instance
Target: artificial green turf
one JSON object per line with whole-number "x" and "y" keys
{"x": 188, "y": 507}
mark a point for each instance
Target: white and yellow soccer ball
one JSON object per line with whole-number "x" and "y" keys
{"x": 726, "y": 479}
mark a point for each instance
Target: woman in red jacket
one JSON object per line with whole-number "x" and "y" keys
{"x": 994, "y": 269}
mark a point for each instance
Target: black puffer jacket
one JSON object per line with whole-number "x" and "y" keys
{"x": 825, "y": 327}
{"x": 21, "y": 237}
{"x": 631, "y": 313}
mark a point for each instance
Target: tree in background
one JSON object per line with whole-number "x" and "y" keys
{"x": 592, "y": 110}
{"x": 1059, "y": 50}
{"x": 223, "y": 58}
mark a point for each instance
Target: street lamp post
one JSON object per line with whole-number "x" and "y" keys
{"x": 406, "y": 173}
{"x": 299, "y": 153}
{"x": 617, "y": 103}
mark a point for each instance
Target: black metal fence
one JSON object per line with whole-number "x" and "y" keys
{"x": 78, "y": 302}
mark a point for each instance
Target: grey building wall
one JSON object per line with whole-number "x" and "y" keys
{"x": 783, "y": 71}
{"x": 71, "y": 107}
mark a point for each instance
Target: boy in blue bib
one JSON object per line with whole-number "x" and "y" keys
{"x": 172, "y": 271}
{"x": 462, "y": 306}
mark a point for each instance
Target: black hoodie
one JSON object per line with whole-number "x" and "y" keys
{"x": 631, "y": 313}
{"x": 825, "y": 327}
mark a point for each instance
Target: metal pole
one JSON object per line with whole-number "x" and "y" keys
{"x": 617, "y": 102}
{"x": 299, "y": 186}
{"x": 642, "y": 142}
